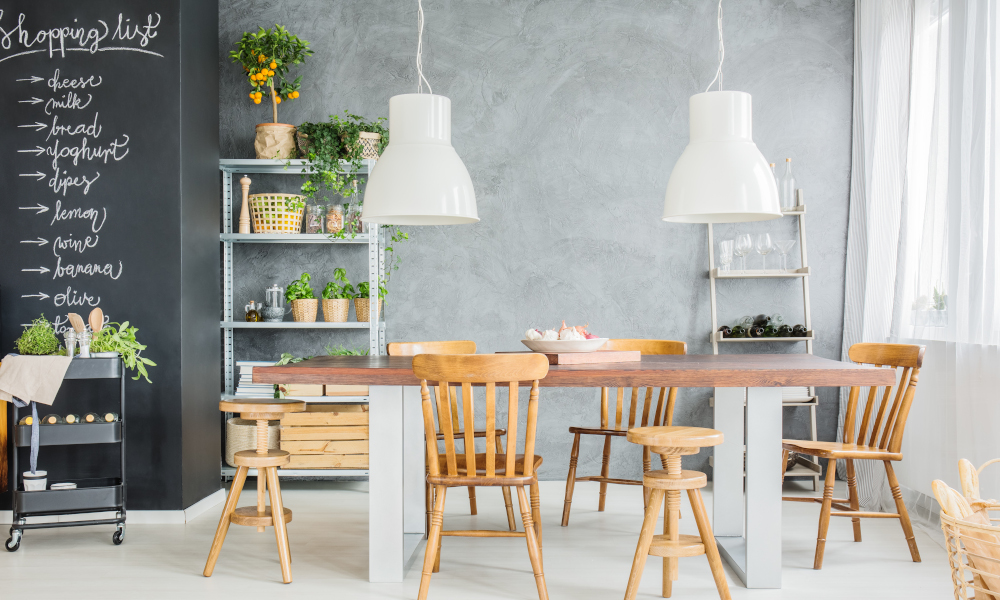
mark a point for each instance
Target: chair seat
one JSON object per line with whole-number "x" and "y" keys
{"x": 501, "y": 477}
{"x": 839, "y": 450}
{"x": 476, "y": 434}
{"x": 598, "y": 431}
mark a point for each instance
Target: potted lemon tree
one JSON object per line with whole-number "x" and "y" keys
{"x": 266, "y": 56}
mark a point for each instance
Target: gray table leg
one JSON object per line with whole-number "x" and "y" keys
{"x": 394, "y": 422}
{"x": 748, "y": 530}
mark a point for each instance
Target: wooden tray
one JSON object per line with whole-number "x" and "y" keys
{"x": 587, "y": 358}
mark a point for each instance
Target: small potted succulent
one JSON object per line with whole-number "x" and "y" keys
{"x": 337, "y": 298}
{"x": 304, "y": 303}
{"x": 266, "y": 57}
{"x": 362, "y": 301}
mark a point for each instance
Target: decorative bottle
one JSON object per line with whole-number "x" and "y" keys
{"x": 72, "y": 419}
{"x": 91, "y": 418}
{"x": 110, "y": 417}
{"x": 252, "y": 315}
{"x": 786, "y": 187}
{"x": 52, "y": 420}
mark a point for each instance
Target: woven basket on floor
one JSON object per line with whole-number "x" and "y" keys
{"x": 369, "y": 144}
{"x": 271, "y": 215}
{"x": 241, "y": 434}
{"x": 361, "y": 309}
{"x": 304, "y": 311}
{"x": 335, "y": 310}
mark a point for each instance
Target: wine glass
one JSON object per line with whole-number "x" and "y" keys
{"x": 764, "y": 247}
{"x": 784, "y": 247}
{"x": 743, "y": 247}
{"x": 725, "y": 254}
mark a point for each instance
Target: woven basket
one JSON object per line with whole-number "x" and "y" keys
{"x": 304, "y": 311}
{"x": 241, "y": 434}
{"x": 369, "y": 144}
{"x": 335, "y": 310}
{"x": 972, "y": 553}
{"x": 361, "y": 309}
{"x": 270, "y": 215}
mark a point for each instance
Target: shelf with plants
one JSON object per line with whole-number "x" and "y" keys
{"x": 299, "y": 325}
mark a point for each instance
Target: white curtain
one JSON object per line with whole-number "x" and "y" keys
{"x": 923, "y": 219}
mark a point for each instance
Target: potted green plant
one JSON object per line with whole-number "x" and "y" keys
{"x": 267, "y": 56}
{"x": 304, "y": 303}
{"x": 38, "y": 339}
{"x": 337, "y": 297}
{"x": 325, "y": 145}
{"x": 120, "y": 338}
{"x": 362, "y": 301}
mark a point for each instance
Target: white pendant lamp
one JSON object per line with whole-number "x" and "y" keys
{"x": 419, "y": 179}
{"x": 721, "y": 177}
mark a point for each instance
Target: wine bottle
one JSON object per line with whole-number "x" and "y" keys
{"x": 72, "y": 419}
{"x": 770, "y": 331}
{"x": 110, "y": 417}
{"x": 776, "y": 320}
{"x": 52, "y": 420}
{"x": 91, "y": 418}
{"x": 761, "y": 320}
{"x": 799, "y": 331}
{"x": 756, "y": 331}
{"x": 785, "y": 331}
{"x": 738, "y": 332}
{"x": 26, "y": 420}
{"x": 726, "y": 331}
{"x": 786, "y": 187}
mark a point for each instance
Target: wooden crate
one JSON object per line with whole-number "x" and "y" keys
{"x": 300, "y": 389}
{"x": 346, "y": 390}
{"x": 327, "y": 436}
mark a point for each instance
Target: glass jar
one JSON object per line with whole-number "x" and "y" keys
{"x": 335, "y": 218}
{"x": 314, "y": 218}
{"x": 352, "y": 222}
{"x": 70, "y": 338}
{"x": 83, "y": 338}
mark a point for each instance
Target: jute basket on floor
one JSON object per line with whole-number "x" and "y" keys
{"x": 241, "y": 434}
{"x": 335, "y": 310}
{"x": 272, "y": 215}
{"x": 369, "y": 144}
{"x": 304, "y": 311}
{"x": 361, "y": 309}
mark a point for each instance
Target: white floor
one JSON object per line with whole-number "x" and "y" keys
{"x": 589, "y": 559}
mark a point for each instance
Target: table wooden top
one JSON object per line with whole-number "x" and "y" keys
{"x": 692, "y": 370}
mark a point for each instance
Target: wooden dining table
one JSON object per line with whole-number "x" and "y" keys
{"x": 746, "y": 505}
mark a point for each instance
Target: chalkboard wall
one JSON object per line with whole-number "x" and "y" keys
{"x": 110, "y": 199}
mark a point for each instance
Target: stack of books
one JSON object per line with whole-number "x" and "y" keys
{"x": 245, "y": 386}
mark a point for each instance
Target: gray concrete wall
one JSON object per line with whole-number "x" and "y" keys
{"x": 569, "y": 115}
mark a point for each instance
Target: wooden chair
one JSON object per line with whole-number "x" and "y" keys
{"x": 266, "y": 462}
{"x": 454, "y": 347}
{"x": 492, "y": 468}
{"x": 879, "y": 437}
{"x": 672, "y": 443}
{"x": 663, "y": 415}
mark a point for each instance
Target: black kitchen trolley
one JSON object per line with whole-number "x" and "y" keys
{"x": 91, "y": 495}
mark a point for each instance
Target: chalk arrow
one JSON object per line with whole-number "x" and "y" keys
{"x": 38, "y": 207}
{"x": 39, "y": 270}
{"x": 38, "y": 174}
{"x": 32, "y": 101}
{"x": 38, "y": 150}
{"x": 40, "y": 296}
{"x": 39, "y": 241}
{"x": 38, "y": 126}
{"x": 32, "y": 79}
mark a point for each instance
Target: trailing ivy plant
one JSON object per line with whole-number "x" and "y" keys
{"x": 341, "y": 291}
{"x": 340, "y": 350}
{"x": 331, "y": 142}
{"x": 39, "y": 338}
{"x": 121, "y": 339}
{"x": 300, "y": 289}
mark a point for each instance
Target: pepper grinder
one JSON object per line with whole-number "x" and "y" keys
{"x": 245, "y": 211}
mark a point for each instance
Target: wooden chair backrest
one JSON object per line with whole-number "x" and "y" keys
{"x": 442, "y": 347}
{"x": 469, "y": 369}
{"x": 884, "y": 416}
{"x": 665, "y": 397}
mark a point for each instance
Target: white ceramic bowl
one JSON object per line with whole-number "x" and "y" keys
{"x": 565, "y": 345}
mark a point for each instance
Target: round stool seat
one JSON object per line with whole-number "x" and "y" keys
{"x": 262, "y": 408}
{"x": 685, "y": 480}
{"x": 248, "y": 515}
{"x": 667, "y": 437}
{"x": 253, "y": 460}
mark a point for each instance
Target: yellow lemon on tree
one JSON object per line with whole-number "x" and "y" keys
{"x": 274, "y": 65}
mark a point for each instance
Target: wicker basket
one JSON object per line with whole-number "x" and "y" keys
{"x": 304, "y": 311}
{"x": 241, "y": 434}
{"x": 972, "y": 553}
{"x": 335, "y": 310}
{"x": 369, "y": 144}
{"x": 361, "y": 309}
{"x": 271, "y": 215}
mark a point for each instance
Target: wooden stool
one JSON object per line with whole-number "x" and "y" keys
{"x": 672, "y": 443}
{"x": 266, "y": 462}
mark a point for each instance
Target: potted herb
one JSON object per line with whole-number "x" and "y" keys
{"x": 361, "y": 301}
{"x": 300, "y": 295}
{"x": 326, "y": 144}
{"x": 120, "y": 338}
{"x": 267, "y": 56}
{"x": 38, "y": 339}
{"x": 337, "y": 297}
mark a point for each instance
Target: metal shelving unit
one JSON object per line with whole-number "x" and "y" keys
{"x": 792, "y": 397}
{"x": 233, "y": 168}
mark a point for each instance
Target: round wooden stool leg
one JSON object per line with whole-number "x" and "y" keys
{"x": 708, "y": 540}
{"x": 671, "y": 527}
{"x": 645, "y": 538}
{"x": 261, "y": 479}
{"x": 280, "y": 528}
{"x": 220, "y": 533}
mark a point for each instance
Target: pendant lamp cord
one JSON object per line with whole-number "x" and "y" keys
{"x": 722, "y": 53}
{"x": 421, "y": 80}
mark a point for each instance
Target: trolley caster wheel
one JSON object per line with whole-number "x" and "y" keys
{"x": 119, "y": 535}
{"x": 13, "y": 542}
